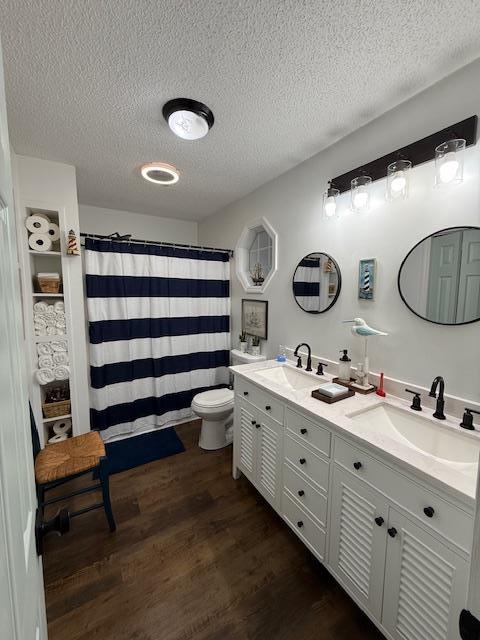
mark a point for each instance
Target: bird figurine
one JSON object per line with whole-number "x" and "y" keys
{"x": 361, "y": 329}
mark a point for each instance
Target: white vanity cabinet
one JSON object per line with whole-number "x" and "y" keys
{"x": 258, "y": 445}
{"x": 400, "y": 547}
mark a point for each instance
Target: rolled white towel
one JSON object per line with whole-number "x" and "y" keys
{"x": 44, "y": 376}
{"x": 51, "y": 308}
{"x": 45, "y": 362}
{"x": 44, "y": 349}
{"x": 59, "y": 345}
{"x": 59, "y": 306}
{"x": 39, "y": 318}
{"x": 50, "y": 318}
{"x": 61, "y": 324}
{"x": 61, "y": 331}
{"x": 40, "y": 330}
{"x": 61, "y": 357}
{"x": 61, "y": 372}
{"x": 51, "y": 331}
{"x": 40, "y": 307}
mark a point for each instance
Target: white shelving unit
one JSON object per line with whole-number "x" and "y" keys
{"x": 50, "y": 189}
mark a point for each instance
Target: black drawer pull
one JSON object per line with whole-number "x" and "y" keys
{"x": 302, "y": 460}
{"x": 258, "y": 425}
{"x": 379, "y": 520}
{"x": 299, "y": 524}
{"x": 429, "y": 512}
{"x": 268, "y": 407}
{"x": 245, "y": 393}
{"x": 301, "y": 493}
{"x": 254, "y": 422}
{"x": 392, "y": 532}
{"x": 303, "y": 431}
{"x": 357, "y": 465}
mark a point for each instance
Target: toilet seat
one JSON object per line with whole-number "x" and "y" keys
{"x": 213, "y": 399}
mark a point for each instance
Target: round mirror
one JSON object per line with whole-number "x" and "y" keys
{"x": 439, "y": 280}
{"x": 316, "y": 283}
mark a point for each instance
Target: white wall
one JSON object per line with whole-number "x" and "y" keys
{"x": 415, "y": 350}
{"x": 107, "y": 221}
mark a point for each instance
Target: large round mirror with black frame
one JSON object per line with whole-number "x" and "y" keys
{"x": 439, "y": 279}
{"x": 316, "y": 282}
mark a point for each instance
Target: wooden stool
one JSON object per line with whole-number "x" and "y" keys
{"x": 63, "y": 461}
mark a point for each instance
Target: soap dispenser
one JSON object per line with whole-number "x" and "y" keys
{"x": 344, "y": 367}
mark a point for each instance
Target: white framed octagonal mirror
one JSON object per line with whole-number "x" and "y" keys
{"x": 256, "y": 256}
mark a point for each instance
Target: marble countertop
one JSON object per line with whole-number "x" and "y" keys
{"x": 459, "y": 480}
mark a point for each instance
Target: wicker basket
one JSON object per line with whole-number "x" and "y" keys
{"x": 55, "y": 409}
{"x": 49, "y": 285}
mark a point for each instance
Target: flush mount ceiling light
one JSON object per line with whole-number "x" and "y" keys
{"x": 160, "y": 173}
{"x": 188, "y": 119}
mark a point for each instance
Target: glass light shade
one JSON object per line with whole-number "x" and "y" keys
{"x": 360, "y": 193}
{"x": 330, "y": 203}
{"x": 188, "y": 125}
{"x": 449, "y": 162}
{"x": 398, "y": 179}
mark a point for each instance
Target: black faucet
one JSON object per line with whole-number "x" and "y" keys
{"x": 309, "y": 356}
{"x": 440, "y": 400}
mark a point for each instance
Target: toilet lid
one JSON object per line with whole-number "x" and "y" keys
{"x": 214, "y": 398}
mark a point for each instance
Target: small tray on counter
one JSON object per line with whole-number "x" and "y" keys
{"x": 354, "y": 388}
{"x": 330, "y": 400}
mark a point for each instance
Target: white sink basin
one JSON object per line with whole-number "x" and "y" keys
{"x": 289, "y": 378}
{"x": 419, "y": 433}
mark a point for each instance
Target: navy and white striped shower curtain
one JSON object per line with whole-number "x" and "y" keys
{"x": 159, "y": 326}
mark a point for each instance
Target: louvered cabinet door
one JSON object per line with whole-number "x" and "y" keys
{"x": 246, "y": 439}
{"x": 270, "y": 458}
{"x": 425, "y": 584}
{"x": 358, "y": 539}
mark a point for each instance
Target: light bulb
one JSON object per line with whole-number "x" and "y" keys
{"x": 398, "y": 182}
{"x": 360, "y": 200}
{"x": 330, "y": 206}
{"x": 449, "y": 167}
{"x": 188, "y": 125}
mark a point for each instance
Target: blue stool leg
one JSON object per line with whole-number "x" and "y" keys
{"x": 104, "y": 480}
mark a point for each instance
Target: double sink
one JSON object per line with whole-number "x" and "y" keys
{"x": 400, "y": 424}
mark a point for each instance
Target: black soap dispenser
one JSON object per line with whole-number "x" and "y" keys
{"x": 344, "y": 372}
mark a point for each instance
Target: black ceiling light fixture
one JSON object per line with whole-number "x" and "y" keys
{"x": 188, "y": 119}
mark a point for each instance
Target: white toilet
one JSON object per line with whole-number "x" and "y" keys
{"x": 215, "y": 407}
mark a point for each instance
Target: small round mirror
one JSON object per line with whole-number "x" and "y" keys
{"x": 439, "y": 280}
{"x": 316, "y": 283}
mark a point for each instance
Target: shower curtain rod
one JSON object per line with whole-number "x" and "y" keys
{"x": 128, "y": 238}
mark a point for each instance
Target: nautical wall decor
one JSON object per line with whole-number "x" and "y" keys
{"x": 367, "y": 274}
{"x": 255, "y": 318}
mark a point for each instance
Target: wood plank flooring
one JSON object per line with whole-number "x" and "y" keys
{"x": 196, "y": 556}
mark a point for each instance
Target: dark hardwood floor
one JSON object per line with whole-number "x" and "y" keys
{"x": 196, "y": 556}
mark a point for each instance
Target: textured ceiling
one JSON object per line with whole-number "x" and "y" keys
{"x": 285, "y": 78}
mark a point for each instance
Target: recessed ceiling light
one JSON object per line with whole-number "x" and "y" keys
{"x": 188, "y": 119}
{"x": 160, "y": 173}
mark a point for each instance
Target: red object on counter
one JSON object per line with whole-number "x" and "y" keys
{"x": 380, "y": 391}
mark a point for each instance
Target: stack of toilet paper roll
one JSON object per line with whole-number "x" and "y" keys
{"x": 53, "y": 362}
{"x": 49, "y": 319}
{"x": 61, "y": 429}
{"x": 42, "y": 232}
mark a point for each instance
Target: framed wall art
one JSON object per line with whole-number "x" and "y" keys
{"x": 255, "y": 317}
{"x": 367, "y": 276}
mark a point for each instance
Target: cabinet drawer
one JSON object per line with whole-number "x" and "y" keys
{"x": 307, "y": 463}
{"x": 442, "y": 516}
{"x": 260, "y": 399}
{"x": 304, "y": 526}
{"x": 311, "y": 499}
{"x": 308, "y": 432}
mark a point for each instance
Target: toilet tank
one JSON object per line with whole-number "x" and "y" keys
{"x": 240, "y": 357}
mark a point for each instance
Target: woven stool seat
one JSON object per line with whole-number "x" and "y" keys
{"x": 67, "y": 458}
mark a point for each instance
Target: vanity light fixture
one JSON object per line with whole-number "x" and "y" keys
{"x": 398, "y": 178}
{"x": 360, "y": 193}
{"x": 160, "y": 173}
{"x": 449, "y": 162}
{"x": 330, "y": 201}
{"x": 188, "y": 119}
